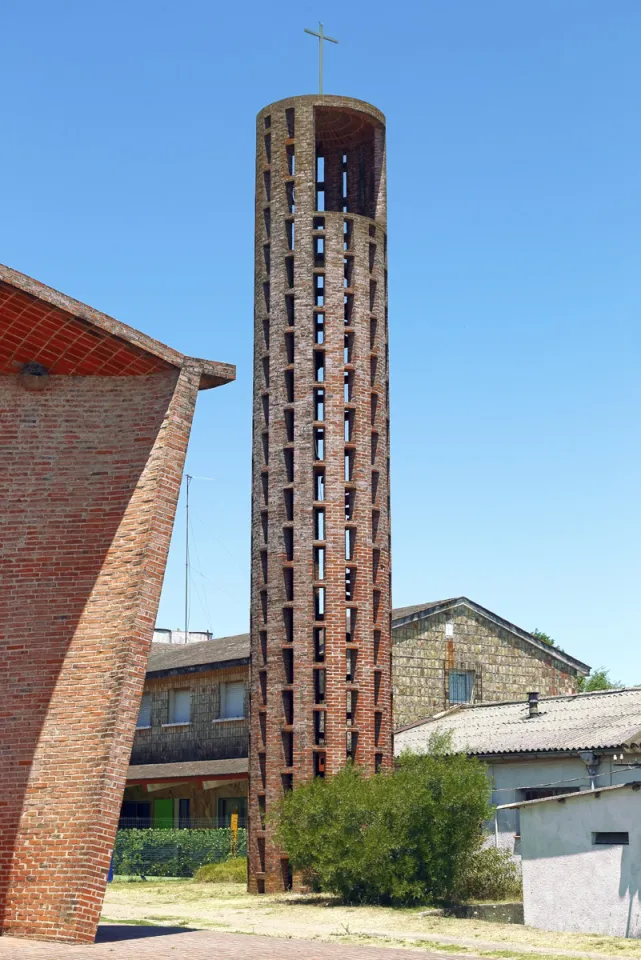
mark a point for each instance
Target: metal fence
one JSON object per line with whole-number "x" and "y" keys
{"x": 175, "y": 852}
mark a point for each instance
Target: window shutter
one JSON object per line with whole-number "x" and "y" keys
{"x": 234, "y": 700}
{"x": 180, "y": 706}
{"x": 144, "y": 714}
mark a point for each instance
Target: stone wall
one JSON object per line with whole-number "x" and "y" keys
{"x": 505, "y": 666}
{"x": 206, "y": 736}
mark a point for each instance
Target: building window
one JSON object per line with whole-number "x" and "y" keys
{"x": 135, "y": 815}
{"x": 461, "y": 686}
{"x": 229, "y": 805}
{"x": 232, "y": 700}
{"x": 144, "y": 714}
{"x": 184, "y": 819}
{"x": 179, "y": 706}
{"x": 611, "y": 838}
{"x": 449, "y": 629}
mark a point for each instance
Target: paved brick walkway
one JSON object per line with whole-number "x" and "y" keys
{"x": 171, "y": 943}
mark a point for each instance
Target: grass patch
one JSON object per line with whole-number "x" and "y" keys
{"x": 233, "y": 870}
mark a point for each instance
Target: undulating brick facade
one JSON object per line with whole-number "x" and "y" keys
{"x": 458, "y": 649}
{"x": 320, "y": 607}
{"x": 94, "y": 423}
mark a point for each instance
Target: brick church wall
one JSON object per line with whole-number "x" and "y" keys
{"x": 89, "y": 478}
{"x": 506, "y": 667}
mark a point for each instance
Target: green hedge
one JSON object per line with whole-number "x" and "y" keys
{"x": 172, "y": 853}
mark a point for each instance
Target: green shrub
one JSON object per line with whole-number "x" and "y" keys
{"x": 172, "y": 853}
{"x": 233, "y": 870}
{"x": 490, "y": 874}
{"x": 401, "y": 837}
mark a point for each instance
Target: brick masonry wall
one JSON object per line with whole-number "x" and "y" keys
{"x": 284, "y": 747}
{"x": 506, "y": 667}
{"x": 89, "y": 479}
{"x": 206, "y": 737}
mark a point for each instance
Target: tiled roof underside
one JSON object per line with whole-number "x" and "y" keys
{"x": 32, "y": 330}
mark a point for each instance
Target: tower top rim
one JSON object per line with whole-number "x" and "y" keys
{"x": 326, "y": 100}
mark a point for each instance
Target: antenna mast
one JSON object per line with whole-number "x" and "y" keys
{"x": 188, "y": 480}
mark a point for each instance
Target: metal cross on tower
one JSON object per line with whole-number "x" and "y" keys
{"x": 321, "y": 36}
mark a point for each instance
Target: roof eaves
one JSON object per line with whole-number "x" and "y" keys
{"x": 579, "y": 795}
{"x": 198, "y": 667}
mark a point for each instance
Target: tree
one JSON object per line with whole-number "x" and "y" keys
{"x": 598, "y": 680}
{"x": 545, "y": 637}
{"x": 404, "y": 836}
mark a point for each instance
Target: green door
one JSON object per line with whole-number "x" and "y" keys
{"x": 163, "y": 814}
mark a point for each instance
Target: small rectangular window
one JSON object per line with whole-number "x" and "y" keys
{"x": 319, "y": 328}
{"x": 291, "y": 159}
{"x": 144, "y": 714}
{"x": 319, "y": 485}
{"x": 319, "y": 603}
{"x": 232, "y": 700}
{"x": 617, "y": 837}
{"x": 319, "y": 524}
{"x": 289, "y": 119}
{"x": 319, "y": 405}
{"x": 461, "y": 686}
{"x": 319, "y": 443}
{"x": 179, "y": 706}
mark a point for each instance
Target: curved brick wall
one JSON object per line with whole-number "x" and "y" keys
{"x": 320, "y": 609}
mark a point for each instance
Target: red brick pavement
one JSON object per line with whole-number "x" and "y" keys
{"x": 129, "y": 942}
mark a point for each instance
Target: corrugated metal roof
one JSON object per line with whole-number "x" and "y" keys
{"x": 579, "y": 795}
{"x": 587, "y": 721}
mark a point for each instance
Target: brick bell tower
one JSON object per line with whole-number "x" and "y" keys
{"x": 321, "y": 580}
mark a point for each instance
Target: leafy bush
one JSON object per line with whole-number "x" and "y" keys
{"x": 490, "y": 874}
{"x": 233, "y": 870}
{"x": 401, "y": 837}
{"x": 172, "y": 853}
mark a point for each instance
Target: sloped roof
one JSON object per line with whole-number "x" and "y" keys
{"x": 165, "y": 658}
{"x": 43, "y": 326}
{"x": 421, "y": 611}
{"x": 587, "y": 721}
{"x": 189, "y": 768}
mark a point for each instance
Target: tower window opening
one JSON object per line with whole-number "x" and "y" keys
{"x": 261, "y": 853}
{"x": 289, "y": 504}
{"x": 320, "y": 199}
{"x": 376, "y": 603}
{"x": 348, "y": 305}
{"x": 376, "y": 562}
{"x": 319, "y": 290}
{"x": 348, "y": 232}
{"x": 350, "y": 665}
{"x": 265, "y": 409}
{"x": 288, "y": 748}
{"x": 263, "y": 729}
{"x": 318, "y": 223}
{"x": 290, "y": 230}
{"x": 373, "y": 324}
{"x": 319, "y": 405}
{"x": 374, "y": 446}
{"x": 351, "y": 739}
{"x": 265, "y": 439}
{"x": 289, "y": 385}
{"x": 319, "y": 603}
{"x": 350, "y": 624}
{"x": 262, "y": 679}
{"x": 264, "y": 525}
{"x": 373, "y": 405}
{"x": 263, "y": 769}
{"x": 266, "y": 332}
{"x": 267, "y": 257}
{"x": 372, "y": 231}
{"x": 319, "y": 765}
{"x": 288, "y": 708}
{"x": 351, "y": 700}
{"x": 268, "y": 147}
{"x": 319, "y": 327}
{"x": 348, "y": 270}
{"x": 266, "y": 294}
{"x": 268, "y": 221}
{"x": 350, "y": 584}
{"x": 319, "y": 485}
{"x": 372, "y": 256}
{"x": 287, "y": 780}
{"x": 319, "y": 523}
{"x": 376, "y": 517}
{"x": 319, "y": 563}
{"x": 268, "y": 122}
{"x": 319, "y": 251}
{"x": 349, "y": 418}
{"x": 373, "y": 366}
{"x": 288, "y": 623}
{"x": 350, "y": 497}
{"x": 291, "y": 159}
{"x": 289, "y": 271}
{"x": 348, "y": 387}
{"x": 378, "y": 720}
{"x": 262, "y": 813}
{"x": 289, "y": 307}
{"x": 378, "y": 762}
{"x": 319, "y": 443}
{"x": 289, "y": 120}
{"x": 288, "y": 580}
{"x": 262, "y": 636}
{"x": 289, "y": 191}
{"x": 377, "y": 644}
{"x": 263, "y": 565}
{"x": 372, "y": 295}
{"x": 375, "y": 479}
{"x": 320, "y": 169}
{"x": 289, "y": 425}
{"x": 288, "y": 665}
{"x": 319, "y": 643}
{"x": 319, "y": 686}
{"x": 319, "y": 728}
{"x": 319, "y": 366}
{"x": 350, "y": 542}
{"x": 267, "y": 178}
{"x": 289, "y": 347}
{"x": 349, "y": 466}
{"x": 288, "y": 454}
{"x": 377, "y": 685}
{"x": 264, "y": 479}
{"x": 288, "y": 541}
{"x": 348, "y": 347}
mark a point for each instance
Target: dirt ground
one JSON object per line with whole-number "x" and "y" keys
{"x": 229, "y": 907}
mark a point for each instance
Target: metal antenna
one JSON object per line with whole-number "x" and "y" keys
{"x": 188, "y": 480}
{"x": 321, "y": 36}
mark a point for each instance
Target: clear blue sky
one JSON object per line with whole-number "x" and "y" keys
{"x": 515, "y": 246}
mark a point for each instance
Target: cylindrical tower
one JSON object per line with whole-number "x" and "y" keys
{"x": 321, "y": 587}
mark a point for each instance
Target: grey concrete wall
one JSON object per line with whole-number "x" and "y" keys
{"x": 570, "y": 884}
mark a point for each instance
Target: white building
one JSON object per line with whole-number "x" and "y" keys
{"x": 546, "y": 748}
{"x": 581, "y": 860}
